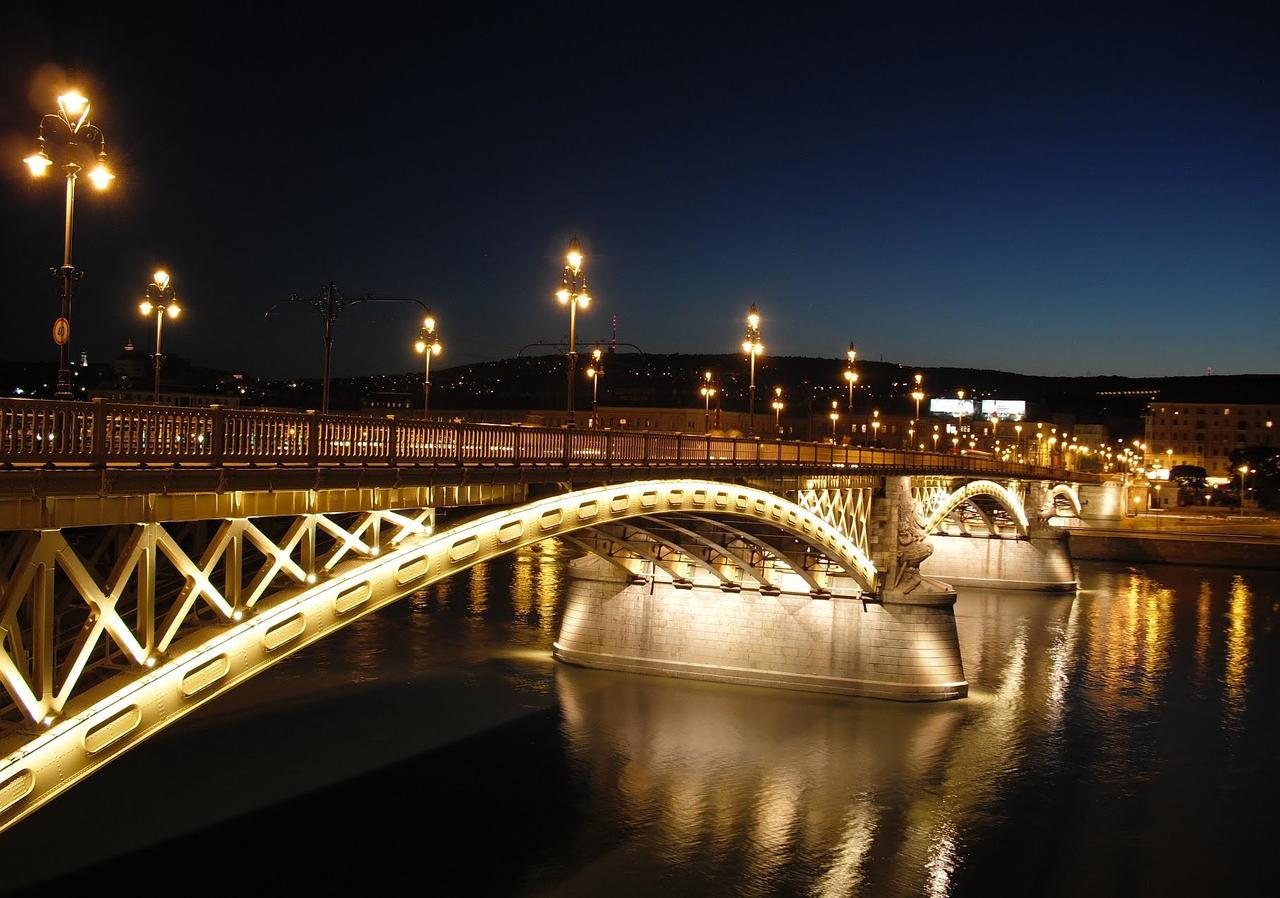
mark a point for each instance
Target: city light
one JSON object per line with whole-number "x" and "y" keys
{"x": 752, "y": 347}
{"x": 427, "y": 345}
{"x": 573, "y": 293}
{"x": 69, "y": 136}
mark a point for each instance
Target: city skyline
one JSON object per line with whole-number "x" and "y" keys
{"x": 1020, "y": 195}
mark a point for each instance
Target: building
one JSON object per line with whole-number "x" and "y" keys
{"x": 1091, "y": 434}
{"x": 1204, "y": 434}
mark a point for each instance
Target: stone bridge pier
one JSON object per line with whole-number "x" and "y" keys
{"x": 891, "y": 636}
{"x": 1006, "y": 539}
{"x": 683, "y": 597}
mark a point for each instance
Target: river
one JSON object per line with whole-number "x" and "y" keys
{"x": 1121, "y": 741}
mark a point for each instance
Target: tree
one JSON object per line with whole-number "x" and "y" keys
{"x": 1191, "y": 483}
{"x": 1264, "y": 482}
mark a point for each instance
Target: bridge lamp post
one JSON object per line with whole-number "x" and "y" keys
{"x": 935, "y": 437}
{"x": 960, "y": 396}
{"x": 707, "y": 390}
{"x": 161, "y": 301}
{"x": 1017, "y": 428}
{"x": 917, "y": 395}
{"x": 911, "y": 437}
{"x": 74, "y": 142}
{"x": 595, "y": 372}
{"x": 778, "y": 406}
{"x": 875, "y": 429}
{"x": 851, "y": 374}
{"x": 834, "y": 416}
{"x": 752, "y": 347}
{"x": 995, "y": 428}
{"x": 573, "y": 293}
{"x": 428, "y": 344}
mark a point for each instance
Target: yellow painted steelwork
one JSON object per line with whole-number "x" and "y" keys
{"x": 76, "y": 733}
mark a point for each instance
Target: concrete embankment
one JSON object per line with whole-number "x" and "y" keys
{"x": 1221, "y": 550}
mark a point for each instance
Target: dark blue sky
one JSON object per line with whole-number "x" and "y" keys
{"x": 1058, "y": 191}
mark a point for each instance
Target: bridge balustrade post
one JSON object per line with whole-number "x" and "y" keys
{"x": 218, "y": 437}
{"x": 393, "y": 450}
{"x": 608, "y": 448}
{"x": 735, "y": 452}
{"x": 457, "y": 443}
{"x": 99, "y": 432}
{"x": 644, "y": 449}
{"x": 516, "y": 453}
{"x": 568, "y": 432}
{"x": 679, "y": 448}
{"x": 313, "y": 438}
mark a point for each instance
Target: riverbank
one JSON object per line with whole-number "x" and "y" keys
{"x": 1243, "y": 543}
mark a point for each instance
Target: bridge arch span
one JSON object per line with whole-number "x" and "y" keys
{"x": 102, "y": 723}
{"x": 1001, "y": 495}
{"x": 1065, "y": 496}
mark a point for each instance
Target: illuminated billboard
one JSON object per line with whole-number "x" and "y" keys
{"x": 1004, "y": 408}
{"x": 951, "y": 407}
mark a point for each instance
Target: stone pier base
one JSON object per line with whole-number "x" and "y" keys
{"x": 908, "y": 651}
{"x": 1037, "y": 563}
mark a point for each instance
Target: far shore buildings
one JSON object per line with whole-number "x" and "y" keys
{"x": 1204, "y": 434}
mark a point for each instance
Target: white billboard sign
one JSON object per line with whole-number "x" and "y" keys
{"x": 1004, "y": 408}
{"x": 953, "y": 407}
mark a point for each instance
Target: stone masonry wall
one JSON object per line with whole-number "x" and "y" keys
{"x": 905, "y": 652}
{"x": 1001, "y": 563}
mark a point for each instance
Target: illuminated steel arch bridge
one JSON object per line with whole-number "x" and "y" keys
{"x": 152, "y": 558}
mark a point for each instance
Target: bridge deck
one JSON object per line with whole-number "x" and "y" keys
{"x": 103, "y": 448}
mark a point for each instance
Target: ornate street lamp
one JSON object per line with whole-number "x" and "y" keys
{"x": 74, "y": 143}
{"x": 834, "y": 416}
{"x": 595, "y": 371}
{"x": 573, "y": 293}
{"x": 428, "y": 344}
{"x": 851, "y": 374}
{"x": 778, "y": 406}
{"x": 160, "y": 300}
{"x": 752, "y": 347}
{"x": 707, "y": 390}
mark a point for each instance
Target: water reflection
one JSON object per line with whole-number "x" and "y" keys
{"x": 789, "y": 793}
{"x": 1117, "y": 741}
{"x": 1238, "y": 638}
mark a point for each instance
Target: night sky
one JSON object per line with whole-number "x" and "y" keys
{"x": 1065, "y": 192}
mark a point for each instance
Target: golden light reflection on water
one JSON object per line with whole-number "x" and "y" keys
{"x": 1203, "y": 628}
{"x": 1235, "y": 676}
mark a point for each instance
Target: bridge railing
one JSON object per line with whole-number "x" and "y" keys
{"x": 99, "y": 433}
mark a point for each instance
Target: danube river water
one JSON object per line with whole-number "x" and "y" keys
{"x": 1120, "y": 741}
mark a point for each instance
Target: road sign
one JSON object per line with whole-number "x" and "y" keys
{"x": 61, "y": 331}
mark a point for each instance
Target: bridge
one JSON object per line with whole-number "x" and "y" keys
{"x": 153, "y": 558}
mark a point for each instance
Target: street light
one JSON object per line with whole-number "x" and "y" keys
{"x": 75, "y": 142}
{"x": 1243, "y": 469}
{"x": 161, "y": 300}
{"x": 573, "y": 293}
{"x": 875, "y": 428}
{"x": 835, "y": 416}
{"x": 935, "y": 437}
{"x": 778, "y": 406}
{"x": 851, "y": 373}
{"x": 595, "y": 371}
{"x": 708, "y": 390}
{"x": 752, "y": 346}
{"x": 960, "y": 396}
{"x": 428, "y": 345}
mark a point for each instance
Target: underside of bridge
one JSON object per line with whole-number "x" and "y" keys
{"x": 110, "y": 632}
{"x": 121, "y": 611}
